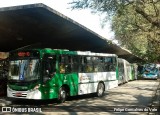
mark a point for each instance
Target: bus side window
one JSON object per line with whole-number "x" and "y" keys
{"x": 113, "y": 64}
{"x": 68, "y": 63}
{"x": 62, "y": 64}
{"x": 102, "y": 63}
{"x": 95, "y": 64}
{"x": 88, "y": 64}
{"x": 98, "y": 64}
{"x": 75, "y": 63}
{"x": 49, "y": 65}
{"x": 108, "y": 64}
{"x": 65, "y": 64}
{"x": 81, "y": 64}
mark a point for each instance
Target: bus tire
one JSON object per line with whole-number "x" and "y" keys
{"x": 100, "y": 89}
{"x": 62, "y": 95}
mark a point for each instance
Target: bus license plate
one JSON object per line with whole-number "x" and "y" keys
{"x": 18, "y": 94}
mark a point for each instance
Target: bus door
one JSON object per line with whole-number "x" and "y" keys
{"x": 48, "y": 76}
{"x": 68, "y": 73}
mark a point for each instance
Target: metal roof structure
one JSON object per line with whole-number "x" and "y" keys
{"x": 40, "y": 26}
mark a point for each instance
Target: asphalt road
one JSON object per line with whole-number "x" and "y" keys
{"x": 134, "y": 97}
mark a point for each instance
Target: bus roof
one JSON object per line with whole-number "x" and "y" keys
{"x": 64, "y": 51}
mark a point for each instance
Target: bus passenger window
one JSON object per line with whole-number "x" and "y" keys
{"x": 89, "y": 68}
{"x": 49, "y": 65}
{"x": 98, "y": 64}
{"x": 68, "y": 68}
{"x": 88, "y": 64}
{"x": 113, "y": 65}
{"x": 62, "y": 68}
{"x": 81, "y": 64}
{"x": 65, "y": 64}
{"x": 108, "y": 63}
{"x": 75, "y": 63}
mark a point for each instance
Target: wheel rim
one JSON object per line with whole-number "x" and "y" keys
{"x": 63, "y": 94}
{"x": 100, "y": 89}
{"x": 62, "y": 97}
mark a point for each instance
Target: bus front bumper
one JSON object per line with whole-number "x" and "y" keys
{"x": 30, "y": 94}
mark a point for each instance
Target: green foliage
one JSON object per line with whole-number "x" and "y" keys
{"x": 136, "y": 23}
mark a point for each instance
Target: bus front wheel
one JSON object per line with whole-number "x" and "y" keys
{"x": 100, "y": 90}
{"x": 62, "y": 95}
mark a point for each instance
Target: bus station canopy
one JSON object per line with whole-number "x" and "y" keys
{"x": 40, "y": 26}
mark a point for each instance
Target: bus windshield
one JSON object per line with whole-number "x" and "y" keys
{"x": 24, "y": 70}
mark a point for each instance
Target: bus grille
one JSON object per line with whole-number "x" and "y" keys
{"x": 19, "y": 94}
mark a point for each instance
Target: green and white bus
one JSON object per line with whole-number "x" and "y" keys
{"x": 126, "y": 71}
{"x": 56, "y": 73}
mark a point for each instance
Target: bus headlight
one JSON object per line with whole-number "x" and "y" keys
{"x": 8, "y": 88}
{"x": 36, "y": 87}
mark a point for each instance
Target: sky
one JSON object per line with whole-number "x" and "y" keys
{"x": 84, "y": 17}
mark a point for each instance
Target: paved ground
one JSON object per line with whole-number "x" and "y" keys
{"x": 133, "y": 96}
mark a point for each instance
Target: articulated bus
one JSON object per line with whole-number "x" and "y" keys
{"x": 56, "y": 73}
{"x": 134, "y": 72}
{"x": 126, "y": 71}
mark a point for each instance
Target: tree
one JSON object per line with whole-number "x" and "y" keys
{"x": 136, "y": 23}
